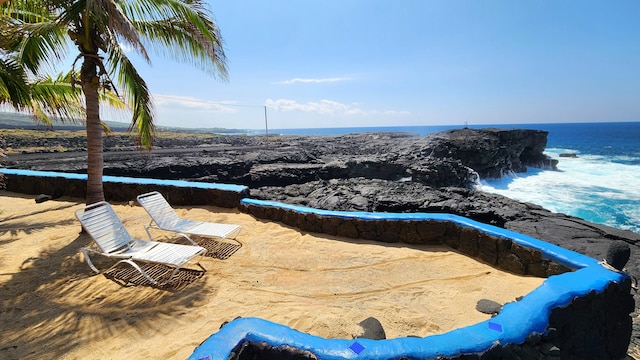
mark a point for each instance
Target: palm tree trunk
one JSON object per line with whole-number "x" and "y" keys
{"x": 90, "y": 82}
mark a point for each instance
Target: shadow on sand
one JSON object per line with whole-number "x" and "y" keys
{"x": 36, "y": 320}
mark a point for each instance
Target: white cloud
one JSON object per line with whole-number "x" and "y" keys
{"x": 326, "y": 107}
{"x": 321, "y": 107}
{"x": 187, "y": 102}
{"x": 314, "y": 81}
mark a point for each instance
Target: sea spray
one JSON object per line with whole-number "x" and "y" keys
{"x": 596, "y": 188}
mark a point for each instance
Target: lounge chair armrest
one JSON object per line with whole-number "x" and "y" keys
{"x": 147, "y": 228}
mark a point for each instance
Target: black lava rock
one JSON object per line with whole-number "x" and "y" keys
{"x": 371, "y": 328}
{"x": 490, "y": 307}
{"x": 618, "y": 254}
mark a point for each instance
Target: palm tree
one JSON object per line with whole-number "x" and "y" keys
{"x": 37, "y": 31}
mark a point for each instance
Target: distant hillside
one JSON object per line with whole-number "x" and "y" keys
{"x": 10, "y": 120}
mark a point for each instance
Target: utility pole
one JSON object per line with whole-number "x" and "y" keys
{"x": 266, "y": 126}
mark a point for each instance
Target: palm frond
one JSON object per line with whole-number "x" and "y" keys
{"x": 13, "y": 86}
{"x": 123, "y": 28}
{"x": 112, "y": 100}
{"x": 181, "y": 42}
{"x": 105, "y": 128}
{"x": 46, "y": 44}
{"x": 136, "y": 93}
{"x": 30, "y": 32}
{"x": 58, "y": 98}
{"x": 40, "y": 116}
{"x": 184, "y": 30}
{"x": 25, "y": 11}
{"x": 107, "y": 18}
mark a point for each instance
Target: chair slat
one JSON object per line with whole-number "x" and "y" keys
{"x": 166, "y": 218}
{"x": 114, "y": 241}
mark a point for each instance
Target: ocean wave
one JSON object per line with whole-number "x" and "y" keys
{"x": 596, "y": 188}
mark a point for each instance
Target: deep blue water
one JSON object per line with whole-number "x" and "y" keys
{"x": 601, "y": 185}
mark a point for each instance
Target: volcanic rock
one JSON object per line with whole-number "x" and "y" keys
{"x": 452, "y": 158}
{"x": 370, "y": 328}
{"x": 487, "y": 306}
{"x": 618, "y": 254}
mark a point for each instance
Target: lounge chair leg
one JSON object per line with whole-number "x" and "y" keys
{"x": 135, "y": 266}
{"x": 188, "y": 239}
{"x": 175, "y": 271}
{"x": 170, "y": 276}
{"x": 88, "y": 260}
{"x": 146, "y": 228}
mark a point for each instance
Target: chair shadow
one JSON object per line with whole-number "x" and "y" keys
{"x": 126, "y": 276}
{"x": 220, "y": 249}
{"x": 55, "y": 288}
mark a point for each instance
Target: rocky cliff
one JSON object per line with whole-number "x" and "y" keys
{"x": 451, "y": 158}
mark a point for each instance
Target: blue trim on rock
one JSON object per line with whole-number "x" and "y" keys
{"x": 515, "y": 322}
{"x": 128, "y": 180}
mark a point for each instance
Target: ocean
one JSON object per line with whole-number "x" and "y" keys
{"x": 600, "y": 185}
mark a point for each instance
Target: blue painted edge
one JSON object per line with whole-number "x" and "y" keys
{"x": 128, "y": 180}
{"x": 513, "y": 324}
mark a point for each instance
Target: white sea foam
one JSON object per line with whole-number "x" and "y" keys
{"x": 596, "y": 188}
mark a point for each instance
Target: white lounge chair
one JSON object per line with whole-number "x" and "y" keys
{"x": 165, "y": 218}
{"x": 114, "y": 241}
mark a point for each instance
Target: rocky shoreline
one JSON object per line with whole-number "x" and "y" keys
{"x": 388, "y": 172}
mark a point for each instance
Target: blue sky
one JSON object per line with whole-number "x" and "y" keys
{"x": 352, "y": 63}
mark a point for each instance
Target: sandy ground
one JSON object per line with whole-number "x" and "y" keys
{"x": 54, "y": 306}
